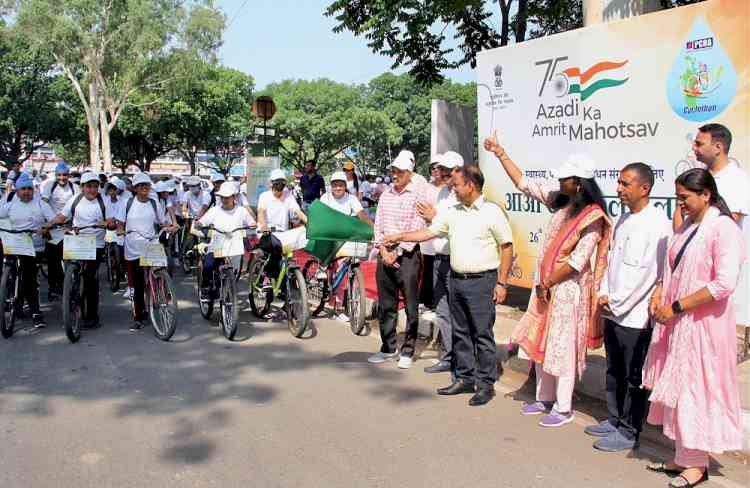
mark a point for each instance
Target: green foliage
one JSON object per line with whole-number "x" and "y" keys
{"x": 413, "y": 32}
{"x": 31, "y": 95}
{"x": 320, "y": 120}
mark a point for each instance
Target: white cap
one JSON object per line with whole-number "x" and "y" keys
{"x": 171, "y": 185}
{"x": 277, "y": 174}
{"x": 580, "y": 165}
{"x": 141, "y": 178}
{"x": 451, "y": 159}
{"x": 338, "y": 176}
{"x": 436, "y": 159}
{"x": 88, "y": 177}
{"x": 378, "y": 180}
{"x": 227, "y": 189}
{"x": 243, "y": 188}
{"x": 404, "y": 161}
{"x": 161, "y": 186}
{"x": 119, "y": 184}
{"x": 217, "y": 177}
{"x": 193, "y": 181}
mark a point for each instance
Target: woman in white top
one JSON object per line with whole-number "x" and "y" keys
{"x": 225, "y": 218}
{"x": 339, "y": 199}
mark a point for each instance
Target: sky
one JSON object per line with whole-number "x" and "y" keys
{"x": 273, "y": 40}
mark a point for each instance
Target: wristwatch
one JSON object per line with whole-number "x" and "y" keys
{"x": 504, "y": 285}
{"x": 676, "y": 307}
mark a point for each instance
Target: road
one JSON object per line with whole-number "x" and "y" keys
{"x": 123, "y": 409}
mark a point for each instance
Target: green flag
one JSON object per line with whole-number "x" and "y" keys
{"x": 328, "y": 230}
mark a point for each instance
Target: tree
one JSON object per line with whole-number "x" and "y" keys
{"x": 321, "y": 120}
{"x": 413, "y": 32}
{"x": 111, "y": 49}
{"x": 209, "y": 110}
{"x": 30, "y": 98}
{"x": 408, "y": 105}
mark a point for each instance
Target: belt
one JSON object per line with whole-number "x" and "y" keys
{"x": 469, "y": 276}
{"x": 443, "y": 257}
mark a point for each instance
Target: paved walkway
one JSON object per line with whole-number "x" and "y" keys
{"x": 123, "y": 409}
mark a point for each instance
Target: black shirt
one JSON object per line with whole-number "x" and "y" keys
{"x": 312, "y": 187}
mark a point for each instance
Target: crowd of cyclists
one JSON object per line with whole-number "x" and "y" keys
{"x": 125, "y": 215}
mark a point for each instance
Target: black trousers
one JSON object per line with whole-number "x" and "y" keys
{"x": 626, "y": 352}
{"x": 55, "y": 273}
{"x": 472, "y": 304}
{"x": 390, "y": 281}
{"x": 29, "y": 283}
{"x": 90, "y": 275}
{"x": 427, "y": 289}
{"x": 136, "y": 271}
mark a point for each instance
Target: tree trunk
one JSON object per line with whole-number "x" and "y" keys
{"x": 522, "y": 18}
{"x": 92, "y": 116}
{"x": 505, "y": 21}
{"x": 106, "y": 146}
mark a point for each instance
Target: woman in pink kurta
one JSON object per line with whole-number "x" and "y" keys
{"x": 691, "y": 364}
{"x": 557, "y": 327}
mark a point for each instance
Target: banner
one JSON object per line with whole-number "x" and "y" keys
{"x": 621, "y": 92}
{"x": 258, "y": 171}
{"x": 79, "y": 247}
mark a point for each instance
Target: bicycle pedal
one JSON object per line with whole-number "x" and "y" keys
{"x": 321, "y": 275}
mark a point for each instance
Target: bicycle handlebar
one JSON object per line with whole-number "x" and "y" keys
{"x": 15, "y": 231}
{"x": 152, "y": 237}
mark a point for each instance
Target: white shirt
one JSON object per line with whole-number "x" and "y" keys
{"x": 27, "y": 216}
{"x": 445, "y": 200}
{"x": 350, "y": 187}
{"x": 226, "y": 220}
{"x": 195, "y": 202}
{"x": 365, "y": 188}
{"x": 112, "y": 207}
{"x": 60, "y": 196}
{"x": 88, "y": 212}
{"x": 141, "y": 218}
{"x": 347, "y": 205}
{"x": 277, "y": 210}
{"x": 635, "y": 262}
{"x": 734, "y": 187}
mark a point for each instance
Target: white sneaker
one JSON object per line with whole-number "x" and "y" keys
{"x": 381, "y": 357}
{"x": 342, "y": 317}
{"x": 405, "y": 362}
{"x": 128, "y": 293}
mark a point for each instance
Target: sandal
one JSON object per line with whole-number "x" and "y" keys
{"x": 662, "y": 468}
{"x": 687, "y": 484}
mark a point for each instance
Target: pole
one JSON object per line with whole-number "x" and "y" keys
{"x": 264, "y": 137}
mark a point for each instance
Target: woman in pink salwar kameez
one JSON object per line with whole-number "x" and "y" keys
{"x": 691, "y": 364}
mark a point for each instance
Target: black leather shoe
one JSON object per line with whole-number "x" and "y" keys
{"x": 458, "y": 387}
{"x": 482, "y": 396}
{"x": 440, "y": 367}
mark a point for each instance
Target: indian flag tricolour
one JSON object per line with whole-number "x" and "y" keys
{"x": 602, "y": 75}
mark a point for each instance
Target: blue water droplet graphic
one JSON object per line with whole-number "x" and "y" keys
{"x": 703, "y": 81}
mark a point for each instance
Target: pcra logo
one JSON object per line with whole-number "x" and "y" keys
{"x": 702, "y": 82}
{"x": 569, "y": 81}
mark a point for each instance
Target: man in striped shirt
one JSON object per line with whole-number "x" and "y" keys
{"x": 399, "y": 266}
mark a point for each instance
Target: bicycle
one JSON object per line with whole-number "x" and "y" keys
{"x": 113, "y": 263}
{"x": 224, "y": 280}
{"x": 73, "y": 298}
{"x": 264, "y": 289}
{"x": 160, "y": 298}
{"x": 11, "y": 301}
{"x": 323, "y": 283}
{"x": 188, "y": 255}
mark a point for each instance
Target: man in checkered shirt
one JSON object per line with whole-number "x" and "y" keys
{"x": 399, "y": 267}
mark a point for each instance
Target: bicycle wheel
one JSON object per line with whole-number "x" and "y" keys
{"x": 317, "y": 290}
{"x": 261, "y": 294}
{"x": 228, "y": 304}
{"x": 298, "y": 313}
{"x": 113, "y": 268}
{"x": 206, "y": 306}
{"x": 162, "y": 304}
{"x": 8, "y": 301}
{"x": 356, "y": 301}
{"x": 71, "y": 303}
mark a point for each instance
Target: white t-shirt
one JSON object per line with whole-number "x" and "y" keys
{"x": 446, "y": 199}
{"x": 195, "y": 202}
{"x": 141, "y": 219}
{"x": 27, "y": 216}
{"x": 348, "y": 204}
{"x": 88, "y": 212}
{"x": 113, "y": 208}
{"x": 277, "y": 210}
{"x": 734, "y": 187}
{"x": 60, "y": 196}
{"x": 175, "y": 199}
{"x": 226, "y": 220}
{"x": 350, "y": 187}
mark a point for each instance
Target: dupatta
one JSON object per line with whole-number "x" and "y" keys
{"x": 534, "y": 337}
